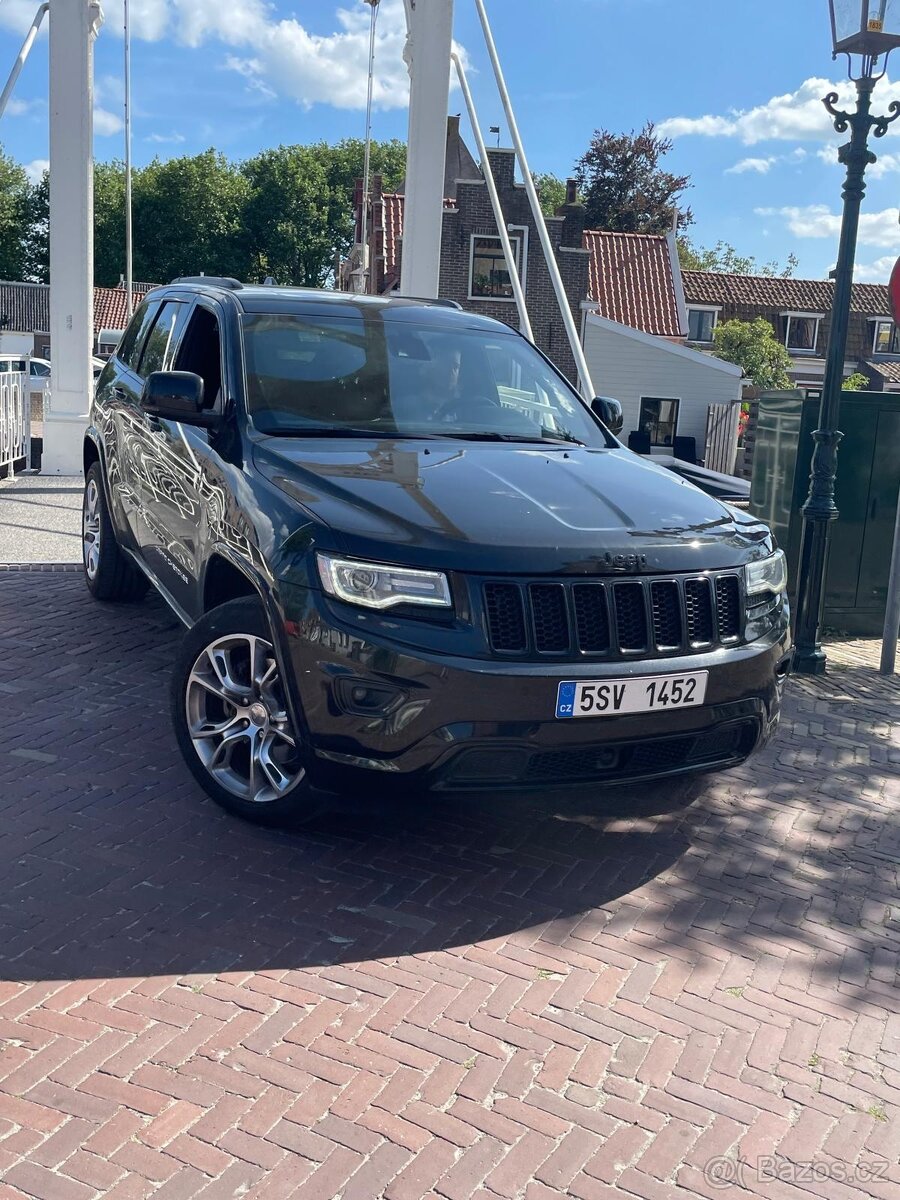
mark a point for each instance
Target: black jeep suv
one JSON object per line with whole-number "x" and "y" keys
{"x": 406, "y": 550}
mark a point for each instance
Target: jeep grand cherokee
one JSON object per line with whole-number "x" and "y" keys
{"x": 406, "y": 550}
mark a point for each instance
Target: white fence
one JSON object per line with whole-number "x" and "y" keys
{"x": 722, "y": 424}
{"x": 15, "y": 420}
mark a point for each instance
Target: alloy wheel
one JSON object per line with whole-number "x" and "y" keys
{"x": 237, "y": 719}
{"x": 90, "y": 529}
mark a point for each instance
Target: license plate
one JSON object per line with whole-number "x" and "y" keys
{"x": 648, "y": 693}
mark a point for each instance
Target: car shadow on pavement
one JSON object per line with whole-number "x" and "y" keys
{"x": 114, "y": 863}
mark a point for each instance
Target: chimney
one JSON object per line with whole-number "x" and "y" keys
{"x": 573, "y": 213}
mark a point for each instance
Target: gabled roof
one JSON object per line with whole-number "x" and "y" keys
{"x": 773, "y": 292}
{"x": 632, "y": 281}
{"x": 27, "y": 306}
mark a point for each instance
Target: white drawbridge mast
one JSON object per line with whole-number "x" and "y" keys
{"x": 73, "y": 26}
{"x": 429, "y": 41}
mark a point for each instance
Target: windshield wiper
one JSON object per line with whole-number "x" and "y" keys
{"x": 490, "y": 435}
{"x": 331, "y": 431}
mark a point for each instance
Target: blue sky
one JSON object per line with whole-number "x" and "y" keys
{"x": 736, "y": 84}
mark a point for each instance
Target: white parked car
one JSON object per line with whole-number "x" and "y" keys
{"x": 39, "y": 370}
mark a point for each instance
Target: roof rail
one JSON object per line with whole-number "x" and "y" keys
{"x": 440, "y": 301}
{"x": 222, "y": 281}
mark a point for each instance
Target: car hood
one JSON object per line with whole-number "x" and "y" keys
{"x": 507, "y": 508}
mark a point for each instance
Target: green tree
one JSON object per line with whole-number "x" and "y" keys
{"x": 624, "y": 185}
{"x": 752, "y": 345}
{"x": 857, "y": 382}
{"x": 723, "y": 257}
{"x": 109, "y": 223}
{"x": 188, "y": 217}
{"x": 551, "y": 191}
{"x": 36, "y": 243}
{"x": 286, "y": 215}
{"x": 14, "y": 193}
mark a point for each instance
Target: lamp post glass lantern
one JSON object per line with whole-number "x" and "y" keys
{"x": 869, "y": 29}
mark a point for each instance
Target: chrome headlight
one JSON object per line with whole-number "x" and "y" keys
{"x": 767, "y": 575}
{"x": 376, "y": 586}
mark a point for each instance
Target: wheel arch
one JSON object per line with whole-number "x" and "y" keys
{"x": 237, "y": 578}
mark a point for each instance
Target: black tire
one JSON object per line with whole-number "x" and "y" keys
{"x": 108, "y": 571}
{"x": 228, "y": 767}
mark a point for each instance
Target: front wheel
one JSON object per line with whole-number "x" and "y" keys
{"x": 232, "y": 721}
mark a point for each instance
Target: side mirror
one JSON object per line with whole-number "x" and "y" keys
{"x": 177, "y": 396}
{"x": 610, "y": 413}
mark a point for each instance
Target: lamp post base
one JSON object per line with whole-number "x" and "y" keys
{"x": 811, "y": 662}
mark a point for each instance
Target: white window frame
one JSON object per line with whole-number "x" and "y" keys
{"x": 676, "y": 400}
{"x": 715, "y": 309}
{"x": 518, "y": 235}
{"x": 802, "y": 316}
{"x": 877, "y": 322}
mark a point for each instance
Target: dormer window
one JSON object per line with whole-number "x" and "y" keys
{"x": 701, "y": 323}
{"x": 801, "y": 331}
{"x": 887, "y": 338}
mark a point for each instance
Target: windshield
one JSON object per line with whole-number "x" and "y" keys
{"x": 366, "y": 374}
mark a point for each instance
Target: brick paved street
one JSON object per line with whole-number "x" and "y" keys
{"x": 480, "y": 999}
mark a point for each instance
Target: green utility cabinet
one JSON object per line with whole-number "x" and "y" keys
{"x": 868, "y": 483}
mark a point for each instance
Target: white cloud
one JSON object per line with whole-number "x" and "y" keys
{"x": 162, "y": 139}
{"x": 276, "y": 55}
{"x": 762, "y": 166}
{"x": 36, "y": 168}
{"x": 878, "y": 271}
{"x": 107, "y": 123}
{"x": 798, "y": 115}
{"x": 818, "y": 221}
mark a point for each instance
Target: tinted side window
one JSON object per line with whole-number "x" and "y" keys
{"x": 133, "y": 342}
{"x": 162, "y": 336}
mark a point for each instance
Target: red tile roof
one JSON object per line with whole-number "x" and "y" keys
{"x": 110, "y": 306}
{"x": 887, "y": 370}
{"x": 631, "y": 280}
{"x": 393, "y": 232}
{"x": 762, "y": 291}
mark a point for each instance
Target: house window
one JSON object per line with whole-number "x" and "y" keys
{"x": 701, "y": 323}
{"x": 659, "y": 418}
{"x": 488, "y": 274}
{"x": 801, "y": 333}
{"x": 887, "y": 338}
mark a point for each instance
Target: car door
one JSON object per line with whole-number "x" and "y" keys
{"x": 117, "y": 417}
{"x": 163, "y": 485}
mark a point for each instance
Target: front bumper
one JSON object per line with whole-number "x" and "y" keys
{"x": 376, "y": 709}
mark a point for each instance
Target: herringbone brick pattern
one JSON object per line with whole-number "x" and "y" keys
{"x": 532, "y": 997}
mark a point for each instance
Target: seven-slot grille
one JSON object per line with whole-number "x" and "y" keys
{"x": 616, "y": 618}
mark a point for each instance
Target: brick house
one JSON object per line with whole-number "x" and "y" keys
{"x": 799, "y": 310}
{"x": 624, "y": 291}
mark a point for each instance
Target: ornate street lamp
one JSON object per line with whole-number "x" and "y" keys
{"x": 866, "y": 31}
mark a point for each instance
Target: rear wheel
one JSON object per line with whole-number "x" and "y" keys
{"x": 108, "y": 572}
{"x": 231, "y": 717}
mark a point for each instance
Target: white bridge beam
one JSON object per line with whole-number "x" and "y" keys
{"x": 73, "y": 27}
{"x": 429, "y": 42}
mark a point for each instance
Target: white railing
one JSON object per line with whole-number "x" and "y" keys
{"x": 15, "y": 420}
